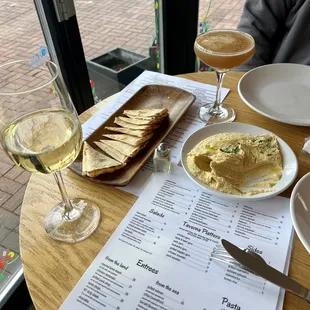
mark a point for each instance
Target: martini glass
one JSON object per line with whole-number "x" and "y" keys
{"x": 222, "y": 50}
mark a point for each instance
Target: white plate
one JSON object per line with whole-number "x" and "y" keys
{"x": 290, "y": 165}
{"x": 278, "y": 91}
{"x": 300, "y": 210}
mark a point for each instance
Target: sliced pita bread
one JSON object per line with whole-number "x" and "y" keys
{"x": 154, "y": 119}
{"x": 136, "y": 121}
{"x": 95, "y": 163}
{"x": 146, "y": 113}
{"x": 113, "y": 152}
{"x": 136, "y": 133}
{"x": 121, "y": 123}
{"x": 122, "y": 147}
{"x": 135, "y": 141}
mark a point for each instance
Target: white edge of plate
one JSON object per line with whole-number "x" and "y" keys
{"x": 286, "y": 120}
{"x": 303, "y": 240}
{"x": 237, "y": 197}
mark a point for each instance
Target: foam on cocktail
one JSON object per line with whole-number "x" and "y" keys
{"x": 224, "y": 49}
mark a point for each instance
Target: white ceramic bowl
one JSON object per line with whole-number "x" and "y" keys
{"x": 290, "y": 164}
{"x": 300, "y": 210}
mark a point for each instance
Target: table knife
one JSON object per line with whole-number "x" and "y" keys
{"x": 261, "y": 268}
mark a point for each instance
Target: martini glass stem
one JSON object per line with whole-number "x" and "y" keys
{"x": 217, "y": 103}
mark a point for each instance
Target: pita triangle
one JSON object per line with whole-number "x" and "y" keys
{"x": 96, "y": 163}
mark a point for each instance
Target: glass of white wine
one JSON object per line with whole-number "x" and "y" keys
{"x": 40, "y": 132}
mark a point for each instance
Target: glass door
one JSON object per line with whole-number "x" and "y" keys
{"x": 102, "y": 45}
{"x": 120, "y": 41}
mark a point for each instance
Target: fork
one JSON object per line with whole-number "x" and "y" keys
{"x": 221, "y": 255}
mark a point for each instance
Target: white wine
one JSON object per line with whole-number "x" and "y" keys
{"x": 44, "y": 141}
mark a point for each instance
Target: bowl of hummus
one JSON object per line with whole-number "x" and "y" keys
{"x": 239, "y": 161}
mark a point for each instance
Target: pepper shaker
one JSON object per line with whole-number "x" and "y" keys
{"x": 162, "y": 158}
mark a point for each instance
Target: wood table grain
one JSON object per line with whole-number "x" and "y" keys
{"x": 52, "y": 268}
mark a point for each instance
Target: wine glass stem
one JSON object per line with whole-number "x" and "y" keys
{"x": 63, "y": 192}
{"x": 217, "y": 102}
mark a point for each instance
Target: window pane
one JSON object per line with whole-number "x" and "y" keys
{"x": 20, "y": 38}
{"x": 119, "y": 41}
{"x": 222, "y": 14}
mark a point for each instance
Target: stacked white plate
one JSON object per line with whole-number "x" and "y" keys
{"x": 278, "y": 91}
{"x": 300, "y": 210}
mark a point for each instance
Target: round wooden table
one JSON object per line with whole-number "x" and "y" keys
{"x": 52, "y": 268}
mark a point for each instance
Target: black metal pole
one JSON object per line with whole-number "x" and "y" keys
{"x": 69, "y": 51}
{"x": 180, "y": 24}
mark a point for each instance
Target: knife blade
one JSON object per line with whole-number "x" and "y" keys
{"x": 262, "y": 269}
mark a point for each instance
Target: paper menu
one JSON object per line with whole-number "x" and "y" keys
{"x": 286, "y": 269}
{"x": 159, "y": 257}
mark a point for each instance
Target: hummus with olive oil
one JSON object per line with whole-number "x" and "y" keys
{"x": 237, "y": 163}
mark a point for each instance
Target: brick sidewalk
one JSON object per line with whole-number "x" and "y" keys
{"x": 104, "y": 25}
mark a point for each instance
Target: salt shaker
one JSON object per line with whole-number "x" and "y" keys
{"x": 162, "y": 158}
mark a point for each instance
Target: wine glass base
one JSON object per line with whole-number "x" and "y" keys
{"x": 75, "y": 225}
{"x": 222, "y": 114}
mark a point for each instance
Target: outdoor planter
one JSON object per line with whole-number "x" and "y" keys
{"x": 153, "y": 56}
{"x": 112, "y": 71}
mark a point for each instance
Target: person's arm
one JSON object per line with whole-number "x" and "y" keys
{"x": 264, "y": 20}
